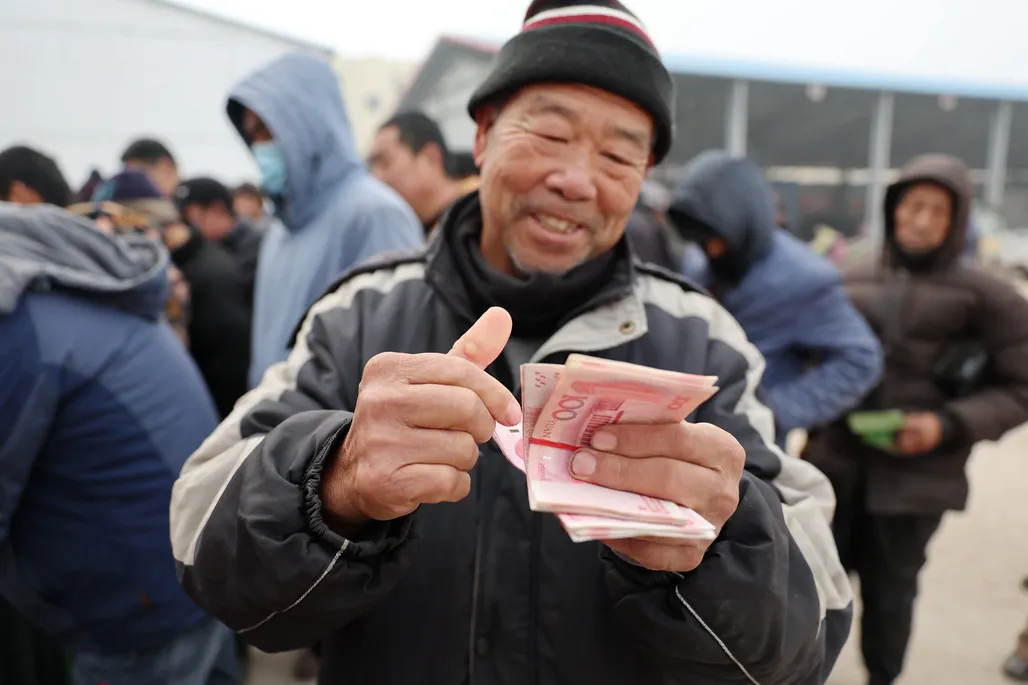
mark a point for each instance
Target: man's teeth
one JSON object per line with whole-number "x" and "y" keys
{"x": 557, "y": 225}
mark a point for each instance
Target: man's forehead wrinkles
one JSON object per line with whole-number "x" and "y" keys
{"x": 544, "y": 103}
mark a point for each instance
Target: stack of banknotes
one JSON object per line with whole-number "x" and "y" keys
{"x": 563, "y": 407}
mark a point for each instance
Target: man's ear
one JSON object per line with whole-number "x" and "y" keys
{"x": 19, "y": 193}
{"x": 434, "y": 154}
{"x": 485, "y": 118}
{"x": 191, "y": 213}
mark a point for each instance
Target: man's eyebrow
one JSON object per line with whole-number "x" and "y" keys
{"x": 544, "y": 105}
{"x": 634, "y": 136}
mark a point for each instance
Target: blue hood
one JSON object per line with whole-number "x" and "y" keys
{"x": 298, "y": 98}
{"x": 44, "y": 247}
{"x": 726, "y": 196}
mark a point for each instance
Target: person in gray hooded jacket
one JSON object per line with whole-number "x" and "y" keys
{"x": 100, "y": 405}
{"x": 332, "y": 213}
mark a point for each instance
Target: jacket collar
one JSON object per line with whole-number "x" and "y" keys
{"x": 442, "y": 267}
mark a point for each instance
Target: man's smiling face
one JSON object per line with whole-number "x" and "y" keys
{"x": 562, "y": 166}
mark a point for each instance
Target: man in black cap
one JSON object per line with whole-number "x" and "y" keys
{"x": 207, "y": 205}
{"x": 354, "y": 497}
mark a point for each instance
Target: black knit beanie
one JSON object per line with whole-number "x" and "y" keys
{"x": 599, "y": 44}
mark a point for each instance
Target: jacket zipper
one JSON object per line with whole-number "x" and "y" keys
{"x": 895, "y": 325}
{"x": 533, "y": 596}
{"x": 498, "y": 371}
{"x": 535, "y": 556}
{"x": 473, "y": 635}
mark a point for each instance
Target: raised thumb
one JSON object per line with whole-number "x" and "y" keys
{"x": 484, "y": 341}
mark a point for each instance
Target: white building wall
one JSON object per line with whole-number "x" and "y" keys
{"x": 448, "y": 103}
{"x": 82, "y": 78}
{"x": 453, "y": 82}
{"x": 371, "y": 89}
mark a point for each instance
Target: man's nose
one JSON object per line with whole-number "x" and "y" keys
{"x": 574, "y": 181}
{"x": 923, "y": 219}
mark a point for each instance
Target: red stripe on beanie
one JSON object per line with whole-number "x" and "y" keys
{"x": 589, "y": 19}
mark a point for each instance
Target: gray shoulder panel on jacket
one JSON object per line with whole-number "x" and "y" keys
{"x": 808, "y": 498}
{"x": 209, "y": 470}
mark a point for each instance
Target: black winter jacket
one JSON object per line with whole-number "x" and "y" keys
{"x": 221, "y": 300}
{"x": 244, "y": 243}
{"x": 485, "y": 591}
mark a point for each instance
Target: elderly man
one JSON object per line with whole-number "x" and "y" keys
{"x": 346, "y": 500}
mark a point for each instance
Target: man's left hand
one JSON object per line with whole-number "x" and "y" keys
{"x": 922, "y": 432}
{"x": 697, "y": 465}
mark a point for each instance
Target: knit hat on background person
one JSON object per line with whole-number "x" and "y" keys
{"x": 202, "y": 191}
{"x": 133, "y": 189}
{"x": 599, "y": 44}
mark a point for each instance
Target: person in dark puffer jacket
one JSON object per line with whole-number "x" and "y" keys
{"x": 932, "y": 312}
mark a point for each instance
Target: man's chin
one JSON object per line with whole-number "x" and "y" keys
{"x": 531, "y": 267}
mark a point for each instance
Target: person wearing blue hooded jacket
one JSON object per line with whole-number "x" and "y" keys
{"x": 822, "y": 358}
{"x": 332, "y": 214}
{"x": 100, "y": 404}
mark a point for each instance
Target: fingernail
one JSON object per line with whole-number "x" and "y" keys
{"x": 604, "y": 441}
{"x": 583, "y": 464}
{"x": 513, "y": 413}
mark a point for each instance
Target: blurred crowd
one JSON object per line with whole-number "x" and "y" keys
{"x": 136, "y": 311}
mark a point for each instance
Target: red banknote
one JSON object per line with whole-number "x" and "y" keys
{"x": 563, "y": 407}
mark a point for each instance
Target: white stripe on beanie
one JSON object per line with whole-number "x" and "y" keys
{"x": 572, "y": 11}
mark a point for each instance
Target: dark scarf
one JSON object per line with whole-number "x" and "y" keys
{"x": 429, "y": 225}
{"x": 917, "y": 262}
{"x": 539, "y": 303}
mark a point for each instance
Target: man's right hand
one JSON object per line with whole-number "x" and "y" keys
{"x": 416, "y": 428}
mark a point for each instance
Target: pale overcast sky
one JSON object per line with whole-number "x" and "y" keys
{"x": 959, "y": 40}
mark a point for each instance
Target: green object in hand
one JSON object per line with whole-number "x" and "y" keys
{"x": 877, "y": 428}
{"x": 883, "y": 441}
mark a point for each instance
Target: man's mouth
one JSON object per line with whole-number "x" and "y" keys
{"x": 556, "y": 225}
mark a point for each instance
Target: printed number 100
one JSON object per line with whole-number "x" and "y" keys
{"x": 569, "y": 406}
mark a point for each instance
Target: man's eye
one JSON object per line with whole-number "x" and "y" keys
{"x": 552, "y": 138}
{"x": 617, "y": 159}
